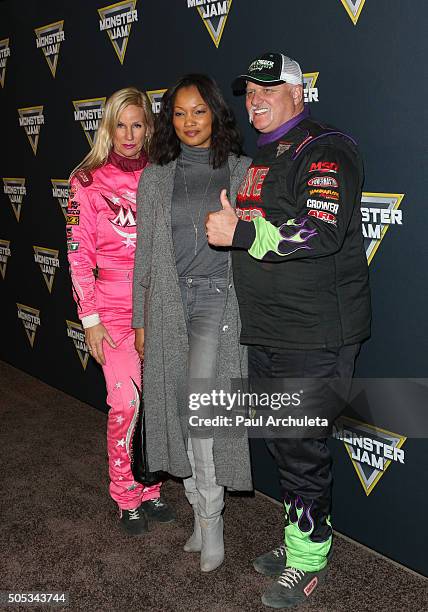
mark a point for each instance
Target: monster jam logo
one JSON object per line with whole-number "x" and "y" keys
{"x": 4, "y": 54}
{"x": 61, "y": 191}
{"x": 370, "y": 448}
{"x": 353, "y": 8}
{"x": 214, "y": 14}
{"x": 76, "y": 333}
{"x": 49, "y": 39}
{"x": 16, "y": 190}
{"x": 30, "y": 319}
{"x": 89, "y": 112}
{"x": 117, "y": 20}
{"x": 48, "y": 262}
{"x": 155, "y": 97}
{"x": 4, "y": 256}
{"x": 379, "y": 211}
{"x": 31, "y": 119}
{"x": 310, "y": 92}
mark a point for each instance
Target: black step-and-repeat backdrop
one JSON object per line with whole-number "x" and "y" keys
{"x": 364, "y": 63}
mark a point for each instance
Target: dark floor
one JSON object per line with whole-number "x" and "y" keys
{"x": 59, "y": 529}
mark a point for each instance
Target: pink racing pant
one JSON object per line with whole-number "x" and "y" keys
{"x": 122, "y": 373}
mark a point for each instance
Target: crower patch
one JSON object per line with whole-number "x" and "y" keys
{"x": 4, "y": 256}
{"x": 61, "y": 191}
{"x": 379, "y": 211}
{"x": 89, "y": 112}
{"x": 48, "y": 262}
{"x": 49, "y": 39}
{"x": 155, "y": 97}
{"x": 117, "y": 20}
{"x": 371, "y": 449}
{"x": 4, "y": 54}
{"x": 353, "y": 8}
{"x": 76, "y": 332}
{"x": 32, "y": 119}
{"x": 30, "y": 318}
{"x": 16, "y": 190}
{"x": 310, "y": 91}
{"x": 214, "y": 14}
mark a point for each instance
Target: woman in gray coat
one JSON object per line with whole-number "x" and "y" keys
{"x": 185, "y": 307}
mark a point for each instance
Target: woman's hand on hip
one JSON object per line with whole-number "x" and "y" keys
{"x": 94, "y": 337}
{"x": 139, "y": 342}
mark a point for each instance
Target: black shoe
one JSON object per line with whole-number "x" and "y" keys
{"x": 134, "y": 522}
{"x": 158, "y": 510}
{"x": 271, "y": 563}
{"x": 293, "y": 587}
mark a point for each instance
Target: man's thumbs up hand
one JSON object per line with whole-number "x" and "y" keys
{"x": 221, "y": 225}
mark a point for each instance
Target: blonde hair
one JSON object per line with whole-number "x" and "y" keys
{"x": 116, "y": 103}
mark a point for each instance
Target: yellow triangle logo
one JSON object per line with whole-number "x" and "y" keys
{"x": 48, "y": 262}
{"x": 49, "y": 39}
{"x": 353, "y": 8}
{"x": 370, "y": 449}
{"x": 16, "y": 190}
{"x": 32, "y": 119}
{"x": 30, "y": 318}
{"x": 379, "y": 211}
{"x": 310, "y": 89}
{"x": 4, "y": 54}
{"x": 155, "y": 97}
{"x": 89, "y": 112}
{"x": 4, "y": 256}
{"x": 76, "y": 332}
{"x": 61, "y": 191}
{"x": 214, "y": 15}
{"x": 117, "y": 20}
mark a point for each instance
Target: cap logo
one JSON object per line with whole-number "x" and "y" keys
{"x": 260, "y": 65}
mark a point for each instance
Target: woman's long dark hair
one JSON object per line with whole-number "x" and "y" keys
{"x": 225, "y": 137}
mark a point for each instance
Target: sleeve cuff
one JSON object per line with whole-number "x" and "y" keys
{"x": 244, "y": 236}
{"x": 91, "y": 320}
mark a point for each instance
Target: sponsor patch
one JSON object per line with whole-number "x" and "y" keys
{"x": 322, "y": 215}
{"x": 72, "y": 219}
{"x": 310, "y": 587}
{"x": 248, "y": 214}
{"x": 73, "y": 246}
{"x": 251, "y": 186}
{"x": 322, "y": 205}
{"x": 325, "y": 193}
{"x": 323, "y": 181}
{"x": 324, "y": 166}
{"x": 283, "y": 147}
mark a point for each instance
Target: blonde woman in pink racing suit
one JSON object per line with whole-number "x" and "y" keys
{"x": 101, "y": 234}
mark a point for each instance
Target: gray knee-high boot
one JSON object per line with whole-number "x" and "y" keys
{"x": 210, "y": 505}
{"x": 194, "y": 543}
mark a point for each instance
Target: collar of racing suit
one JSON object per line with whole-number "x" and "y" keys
{"x": 126, "y": 164}
{"x": 265, "y": 139}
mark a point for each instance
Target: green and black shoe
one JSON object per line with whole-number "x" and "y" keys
{"x": 293, "y": 587}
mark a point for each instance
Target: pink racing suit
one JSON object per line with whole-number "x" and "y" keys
{"x": 101, "y": 233}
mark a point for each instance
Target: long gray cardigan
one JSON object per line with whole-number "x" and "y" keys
{"x": 157, "y": 306}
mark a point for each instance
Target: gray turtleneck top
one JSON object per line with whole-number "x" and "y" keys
{"x": 193, "y": 162}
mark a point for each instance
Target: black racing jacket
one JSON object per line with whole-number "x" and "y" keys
{"x": 300, "y": 269}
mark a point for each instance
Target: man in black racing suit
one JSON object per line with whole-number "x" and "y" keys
{"x": 301, "y": 277}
